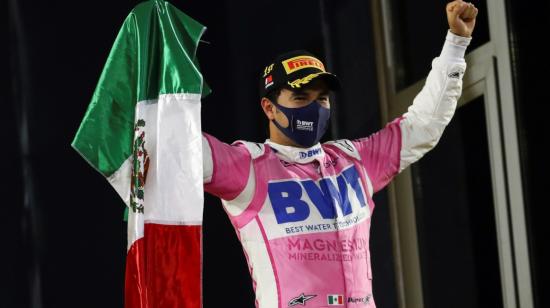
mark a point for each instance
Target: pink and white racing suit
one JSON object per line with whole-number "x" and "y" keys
{"x": 303, "y": 215}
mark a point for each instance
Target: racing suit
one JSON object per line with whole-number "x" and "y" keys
{"x": 303, "y": 215}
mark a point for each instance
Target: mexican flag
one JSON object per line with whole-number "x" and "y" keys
{"x": 335, "y": 300}
{"x": 142, "y": 132}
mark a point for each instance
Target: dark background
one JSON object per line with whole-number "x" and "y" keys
{"x": 64, "y": 240}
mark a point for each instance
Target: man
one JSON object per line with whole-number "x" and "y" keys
{"x": 302, "y": 209}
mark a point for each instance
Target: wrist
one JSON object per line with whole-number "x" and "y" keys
{"x": 457, "y": 39}
{"x": 462, "y": 34}
{"x": 454, "y": 48}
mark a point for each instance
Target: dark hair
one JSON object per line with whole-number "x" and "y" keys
{"x": 273, "y": 94}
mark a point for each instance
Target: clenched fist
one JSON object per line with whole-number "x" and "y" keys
{"x": 462, "y": 17}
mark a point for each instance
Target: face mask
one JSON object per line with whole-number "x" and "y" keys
{"x": 306, "y": 124}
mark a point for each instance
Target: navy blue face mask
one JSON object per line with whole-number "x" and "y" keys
{"x": 306, "y": 124}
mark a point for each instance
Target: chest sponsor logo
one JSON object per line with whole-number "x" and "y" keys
{"x": 289, "y": 206}
{"x": 351, "y": 250}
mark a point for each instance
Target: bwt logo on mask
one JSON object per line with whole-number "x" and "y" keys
{"x": 310, "y": 153}
{"x": 287, "y": 203}
{"x": 304, "y": 125}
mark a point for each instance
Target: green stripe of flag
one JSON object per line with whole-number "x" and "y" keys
{"x": 162, "y": 41}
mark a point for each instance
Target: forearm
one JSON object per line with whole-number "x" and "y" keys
{"x": 454, "y": 48}
{"x": 433, "y": 108}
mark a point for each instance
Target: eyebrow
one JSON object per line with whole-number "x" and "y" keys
{"x": 298, "y": 93}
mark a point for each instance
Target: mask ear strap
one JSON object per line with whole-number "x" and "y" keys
{"x": 282, "y": 109}
{"x": 290, "y": 119}
{"x": 279, "y": 107}
{"x": 280, "y": 127}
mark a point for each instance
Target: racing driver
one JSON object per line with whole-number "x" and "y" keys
{"x": 302, "y": 210}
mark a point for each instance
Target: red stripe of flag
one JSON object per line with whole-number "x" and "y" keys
{"x": 163, "y": 269}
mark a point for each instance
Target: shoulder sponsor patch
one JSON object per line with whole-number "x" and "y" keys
{"x": 346, "y": 146}
{"x": 255, "y": 149}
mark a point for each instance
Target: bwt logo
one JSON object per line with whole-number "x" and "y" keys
{"x": 310, "y": 153}
{"x": 304, "y": 125}
{"x": 287, "y": 203}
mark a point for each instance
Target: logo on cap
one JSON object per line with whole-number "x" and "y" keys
{"x": 300, "y": 81}
{"x": 297, "y": 63}
{"x": 268, "y": 81}
{"x": 268, "y": 69}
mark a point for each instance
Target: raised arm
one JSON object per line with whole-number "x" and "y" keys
{"x": 406, "y": 139}
{"x": 433, "y": 108}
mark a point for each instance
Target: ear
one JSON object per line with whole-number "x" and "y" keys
{"x": 269, "y": 108}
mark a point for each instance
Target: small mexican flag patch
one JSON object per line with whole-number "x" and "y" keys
{"x": 335, "y": 300}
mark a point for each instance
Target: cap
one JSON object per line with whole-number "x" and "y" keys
{"x": 294, "y": 70}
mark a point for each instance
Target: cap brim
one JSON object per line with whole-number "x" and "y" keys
{"x": 332, "y": 81}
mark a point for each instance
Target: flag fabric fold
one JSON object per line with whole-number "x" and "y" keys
{"x": 142, "y": 132}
